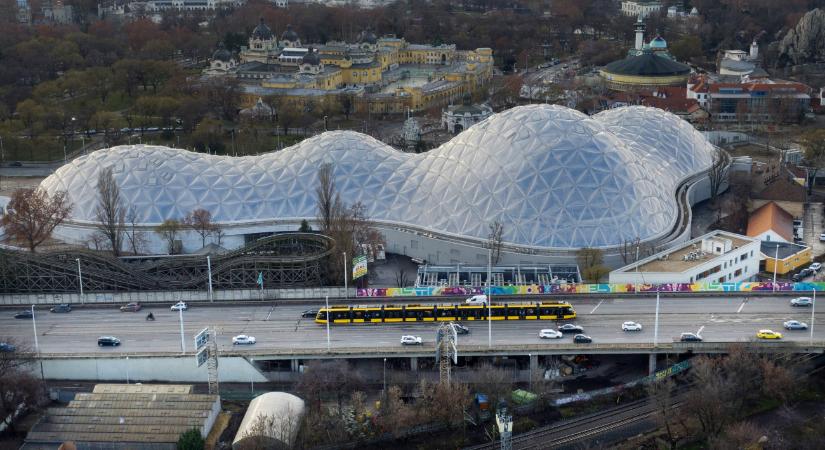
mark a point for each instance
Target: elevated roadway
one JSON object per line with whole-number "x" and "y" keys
{"x": 282, "y": 333}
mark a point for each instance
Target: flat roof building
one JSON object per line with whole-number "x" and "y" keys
{"x": 716, "y": 257}
{"x": 789, "y": 256}
{"x": 126, "y": 416}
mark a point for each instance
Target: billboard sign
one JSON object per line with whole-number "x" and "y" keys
{"x": 201, "y": 338}
{"x": 359, "y": 267}
{"x": 202, "y": 356}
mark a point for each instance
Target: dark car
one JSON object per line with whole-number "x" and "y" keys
{"x": 460, "y": 329}
{"x": 64, "y": 308}
{"x": 690, "y": 337}
{"x": 131, "y": 307}
{"x": 108, "y": 340}
{"x": 6, "y": 347}
{"x": 570, "y": 328}
{"x": 582, "y": 339}
{"x": 25, "y": 314}
{"x": 310, "y": 313}
{"x": 16, "y": 164}
{"x": 797, "y": 277}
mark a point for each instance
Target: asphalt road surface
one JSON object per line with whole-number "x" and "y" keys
{"x": 280, "y": 328}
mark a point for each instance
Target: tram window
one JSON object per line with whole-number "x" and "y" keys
{"x": 322, "y": 315}
{"x": 369, "y": 315}
{"x": 546, "y": 311}
{"x": 393, "y": 314}
{"x": 358, "y": 314}
{"x": 427, "y": 313}
{"x": 445, "y": 312}
{"x": 340, "y": 315}
{"x": 530, "y": 311}
{"x": 463, "y": 313}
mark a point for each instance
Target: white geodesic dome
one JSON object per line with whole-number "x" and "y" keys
{"x": 554, "y": 177}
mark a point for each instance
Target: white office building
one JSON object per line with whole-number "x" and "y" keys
{"x": 640, "y": 8}
{"x": 716, "y": 257}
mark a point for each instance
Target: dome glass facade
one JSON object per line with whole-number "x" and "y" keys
{"x": 554, "y": 177}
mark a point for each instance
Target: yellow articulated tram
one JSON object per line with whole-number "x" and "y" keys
{"x": 445, "y": 313}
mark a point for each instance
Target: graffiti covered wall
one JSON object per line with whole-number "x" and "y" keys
{"x": 742, "y": 286}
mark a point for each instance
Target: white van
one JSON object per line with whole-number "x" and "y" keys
{"x": 477, "y": 300}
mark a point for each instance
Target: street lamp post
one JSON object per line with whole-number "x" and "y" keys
{"x": 182, "y": 343}
{"x": 80, "y": 280}
{"x": 346, "y": 293}
{"x": 127, "y": 370}
{"x": 325, "y": 123}
{"x": 329, "y": 318}
{"x": 385, "y": 379}
{"x": 775, "y": 263}
{"x": 813, "y": 308}
{"x": 34, "y": 325}
{"x": 656, "y": 323}
{"x": 489, "y": 298}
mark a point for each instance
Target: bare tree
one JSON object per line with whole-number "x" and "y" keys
{"x": 109, "y": 211}
{"x": 137, "y": 239}
{"x": 661, "y": 395}
{"x": 813, "y": 142}
{"x": 402, "y": 278}
{"x": 630, "y": 250}
{"x": 349, "y": 226}
{"x": 495, "y": 382}
{"x": 200, "y": 221}
{"x": 718, "y": 172}
{"x": 169, "y": 230}
{"x": 20, "y": 390}
{"x": 591, "y": 264}
{"x": 740, "y": 435}
{"x": 329, "y": 200}
{"x": 268, "y": 429}
{"x": 494, "y": 239}
{"x": 444, "y": 402}
{"x": 32, "y": 215}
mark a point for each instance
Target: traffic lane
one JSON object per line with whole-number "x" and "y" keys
{"x": 674, "y": 305}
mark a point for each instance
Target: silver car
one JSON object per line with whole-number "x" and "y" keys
{"x": 795, "y": 325}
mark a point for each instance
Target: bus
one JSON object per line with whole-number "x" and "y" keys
{"x": 445, "y": 313}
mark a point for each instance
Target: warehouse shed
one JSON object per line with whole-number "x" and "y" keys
{"x": 126, "y": 416}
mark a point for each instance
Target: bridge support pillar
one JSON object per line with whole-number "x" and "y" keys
{"x": 295, "y": 365}
{"x": 651, "y": 364}
{"x": 414, "y": 364}
{"x": 534, "y": 364}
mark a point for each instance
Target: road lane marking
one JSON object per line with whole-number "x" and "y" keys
{"x": 270, "y": 312}
{"x": 740, "y": 307}
{"x": 699, "y": 333}
{"x": 596, "y": 307}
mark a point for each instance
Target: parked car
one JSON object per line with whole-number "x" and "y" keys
{"x": 63, "y": 308}
{"x": 131, "y": 307}
{"x": 797, "y": 277}
{"x": 310, "y": 313}
{"x": 806, "y": 272}
{"x": 822, "y": 237}
{"x": 582, "y": 339}
{"x": 690, "y": 337}
{"x": 801, "y": 301}
{"x": 816, "y": 267}
{"x": 243, "y": 339}
{"x": 16, "y": 164}
{"x": 6, "y": 347}
{"x": 110, "y": 341}
{"x": 549, "y": 333}
{"x": 411, "y": 340}
{"x": 25, "y": 314}
{"x": 477, "y": 300}
{"x": 631, "y": 326}
{"x": 570, "y": 328}
{"x": 795, "y": 325}
{"x": 179, "y": 306}
{"x": 460, "y": 329}
{"x": 768, "y": 334}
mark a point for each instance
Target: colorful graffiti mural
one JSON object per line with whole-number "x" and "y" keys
{"x": 438, "y": 291}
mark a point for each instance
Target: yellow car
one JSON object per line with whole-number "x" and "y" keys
{"x": 768, "y": 334}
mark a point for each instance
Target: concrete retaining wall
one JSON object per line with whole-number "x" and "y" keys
{"x": 138, "y": 369}
{"x": 174, "y": 296}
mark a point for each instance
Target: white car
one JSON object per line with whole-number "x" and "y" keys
{"x": 179, "y": 306}
{"x": 795, "y": 325}
{"x": 822, "y": 237}
{"x": 243, "y": 339}
{"x": 801, "y": 301}
{"x": 815, "y": 266}
{"x": 411, "y": 340}
{"x": 631, "y": 326}
{"x": 477, "y": 300}
{"x": 549, "y": 333}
